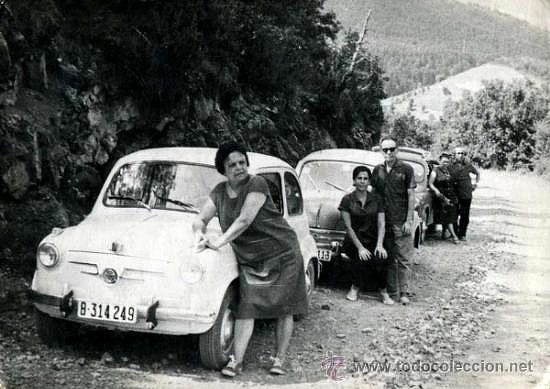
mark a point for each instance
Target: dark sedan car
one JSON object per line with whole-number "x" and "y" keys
{"x": 326, "y": 176}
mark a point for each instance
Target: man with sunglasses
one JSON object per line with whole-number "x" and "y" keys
{"x": 394, "y": 180}
{"x": 461, "y": 170}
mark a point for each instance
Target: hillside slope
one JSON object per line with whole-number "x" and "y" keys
{"x": 427, "y": 103}
{"x": 534, "y": 12}
{"x": 421, "y": 42}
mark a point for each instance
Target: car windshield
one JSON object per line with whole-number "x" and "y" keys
{"x": 328, "y": 175}
{"x": 161, "y": 185}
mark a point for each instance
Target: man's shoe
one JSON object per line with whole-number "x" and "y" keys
{"x": 353, "y": 293}
{"x": 232, "y": 368}
{"x": 386, "y": 299}
{"x": 404, "y": 299}
{"x": 277, "y": 367}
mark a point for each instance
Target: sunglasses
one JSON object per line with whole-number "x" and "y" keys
{"x": 460, "y": 153}
{"x": 390, "y": 149}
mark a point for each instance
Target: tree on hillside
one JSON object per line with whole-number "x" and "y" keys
{"x": 348, "y": 103}
{"x": 166, "y": 51}
{"x": 497, "y": 124}
{"x": 409, "y": 130}
{"x": 542, "y": 146}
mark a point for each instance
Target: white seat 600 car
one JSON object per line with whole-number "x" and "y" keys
{"x": 131, "y": 265}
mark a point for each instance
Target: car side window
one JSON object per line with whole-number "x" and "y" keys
{"x": 293, "y": 195}
{"x": 274, "y": 184}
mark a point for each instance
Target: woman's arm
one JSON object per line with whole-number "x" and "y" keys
{"x": 208, "y": 211}
{"x": 364, "y": 254}
{"x": 431, "y": 182}
{"x": 252, "y": 204}
{"x": 381, "y": 222}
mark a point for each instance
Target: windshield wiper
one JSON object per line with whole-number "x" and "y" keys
{"x": 188, "y": 206}
{"x": 313, "y": 182}
{"x": 137, "y": 201}
{"x": 335, "y": 186}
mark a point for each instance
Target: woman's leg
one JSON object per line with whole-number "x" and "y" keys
{"x": 451, "y": 229}
{"x": 283, "y": 333}
{"x": 243, "y": 333}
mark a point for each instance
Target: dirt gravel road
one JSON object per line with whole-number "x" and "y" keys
{"x": 485, "y": 300}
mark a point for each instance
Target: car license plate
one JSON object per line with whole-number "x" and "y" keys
{"x": 108, "y": 312}
{"x": 324, "y": 255}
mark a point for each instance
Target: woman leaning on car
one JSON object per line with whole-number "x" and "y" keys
{"x": 271, "y": 271}
{"x": 363, "y": 213}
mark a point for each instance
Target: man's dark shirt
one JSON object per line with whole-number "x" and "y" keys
{"x": 461, "y": 173}
{"x": 393, "y": 187}
{"x": 364, "y": 219}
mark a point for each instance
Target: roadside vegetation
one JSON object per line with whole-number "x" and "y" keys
{"x": 86, "y": 82}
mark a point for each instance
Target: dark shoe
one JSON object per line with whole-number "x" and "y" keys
{"x": 277, "y": 367}
{"x": 232, "y": 368}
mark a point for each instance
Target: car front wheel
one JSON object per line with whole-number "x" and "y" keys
{"x": 53, "y": 331}
{"x": 215, "y": 345}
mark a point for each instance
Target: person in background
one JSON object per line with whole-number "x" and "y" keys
{"x": 442, "y": 183}
{"x": 363, "y": 213}
{"x": 271, "y": 267}
{"x": 461, "y": 170}
{"x": 394, "y": 181}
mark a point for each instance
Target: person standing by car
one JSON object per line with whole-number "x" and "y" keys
{"x": 271, "y": 271}
{"x": 394, "y": 180}
{"x": 442, "y": 183}
{"x": 462, "y": 169}
{"x": 363, "y": 213}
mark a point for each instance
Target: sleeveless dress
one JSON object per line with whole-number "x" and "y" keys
{"x": 445, "y": 183}
{"x": 271, "y": 267}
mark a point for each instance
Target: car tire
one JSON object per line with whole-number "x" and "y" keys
{"x": 310, "y": 286}
{"x": 216, "y": 344}
{"x": 53, "y": 331}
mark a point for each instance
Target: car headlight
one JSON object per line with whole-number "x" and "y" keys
{"x": 47, "y": 254}
{"x": 191, "y": 272}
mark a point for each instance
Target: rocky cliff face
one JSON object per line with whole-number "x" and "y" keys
{"x": 61, "y": 130}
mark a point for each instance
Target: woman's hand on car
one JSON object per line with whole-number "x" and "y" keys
{"x": 364, "y": 254}
{"x": 381, "y": 252}
{"x": 200, "y": 242}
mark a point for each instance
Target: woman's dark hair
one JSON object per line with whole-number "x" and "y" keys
{"x": 223, "y": 152}
{"x": 360, "y": 169}
{"x": 445, "y": 155}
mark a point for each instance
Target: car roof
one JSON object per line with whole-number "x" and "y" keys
{"x": 197, "y": 155}
{"x": 366, "y": 157}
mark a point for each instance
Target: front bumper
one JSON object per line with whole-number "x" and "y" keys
{"x": 330, "y": 240}
{"x": 150, "y": 318}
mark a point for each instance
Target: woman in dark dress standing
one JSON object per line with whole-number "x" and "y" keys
{"x": 442, "y": 184}
{"x": 363, "y": 214}
{"x": 271, "y": 269}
